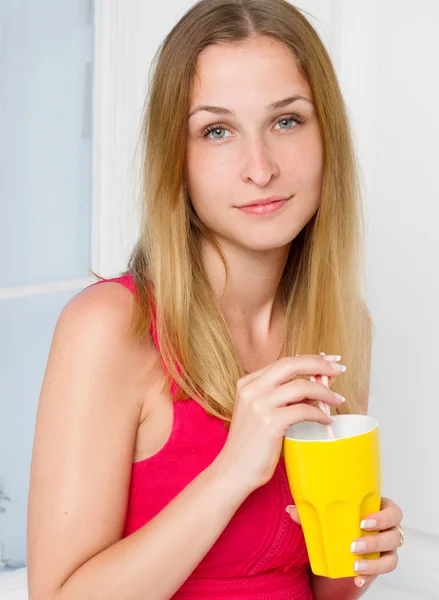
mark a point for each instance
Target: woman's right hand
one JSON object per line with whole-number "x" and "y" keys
{"x": 267, "y": 402}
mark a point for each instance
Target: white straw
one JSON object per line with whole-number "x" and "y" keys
{"x": 323, "y": 405}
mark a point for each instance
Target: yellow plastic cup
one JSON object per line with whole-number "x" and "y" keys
{"x": 335, "y": 483}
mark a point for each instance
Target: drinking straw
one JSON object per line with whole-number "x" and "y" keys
{"x": 323, "y": 405}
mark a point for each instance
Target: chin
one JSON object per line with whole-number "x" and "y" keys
{"x": 264, "y": 245}
{"x": 268, "y": 240}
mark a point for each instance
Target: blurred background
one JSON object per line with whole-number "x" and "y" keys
{"x": 46, "y": 77}
{"x": 73, "y": 78}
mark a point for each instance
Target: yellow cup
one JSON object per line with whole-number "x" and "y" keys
{"x": 335, "y": 483}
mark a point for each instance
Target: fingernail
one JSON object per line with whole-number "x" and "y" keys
{"x": 360, "y": 566}
{"x": 368, "y": 524}
{"x": 361, "y": 582}
{"x": 337, "y": 366}
{"x": 289, "y": 507}
{"x": 340, "y": 397}
{"x": 357, "y": 547}
{"x": 330, "y": 357}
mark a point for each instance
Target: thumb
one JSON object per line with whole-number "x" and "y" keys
{"x": 293, "y": 512}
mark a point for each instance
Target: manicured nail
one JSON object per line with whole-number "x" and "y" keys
{"x": 340, "y": 397}
{"x": 357, "y": 547}
{"x": 368, "y": 524}
{"x": 330, "y": 357}
{"x": 337, "y": 366}
{"x": 361, "y": 582}
{"x": 360, "y": 566}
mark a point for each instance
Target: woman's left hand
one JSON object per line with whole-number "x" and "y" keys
{"x": 386, "y": 542}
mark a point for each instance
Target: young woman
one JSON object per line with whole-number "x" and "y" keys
{"x": 157, "y": 470}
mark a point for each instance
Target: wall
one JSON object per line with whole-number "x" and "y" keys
{"x": 45, "y": 205}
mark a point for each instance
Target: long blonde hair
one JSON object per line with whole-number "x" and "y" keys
{"x": 321, "y": 283}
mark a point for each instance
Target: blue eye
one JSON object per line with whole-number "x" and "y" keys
{"x": 214, "y": 129}
{"x": 288, "y": 119}
{"x": 217, "y": 128}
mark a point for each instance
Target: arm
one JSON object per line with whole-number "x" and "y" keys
{"x": 89, "y": 410}
{"x": 324, "y": 588}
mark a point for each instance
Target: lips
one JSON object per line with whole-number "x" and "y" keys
{"x": 270, "y": 206}
{"x": 264, "y": 201}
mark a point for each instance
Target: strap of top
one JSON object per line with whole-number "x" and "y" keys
{"x": 127, "y": 280}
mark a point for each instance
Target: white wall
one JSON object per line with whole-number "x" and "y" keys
{"x": 403, "y": 271}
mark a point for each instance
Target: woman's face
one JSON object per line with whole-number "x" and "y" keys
{"x": 242, "y": 151}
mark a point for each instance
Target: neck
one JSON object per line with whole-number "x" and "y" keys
{"x": 250, "y": 299}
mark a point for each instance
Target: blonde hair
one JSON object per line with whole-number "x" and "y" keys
{"x": 320, "y": 286}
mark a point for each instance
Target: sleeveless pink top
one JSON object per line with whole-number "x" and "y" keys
{"x": 261, "y": 554}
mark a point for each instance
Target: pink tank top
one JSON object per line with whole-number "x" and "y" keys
{"x": 261, "y": 554}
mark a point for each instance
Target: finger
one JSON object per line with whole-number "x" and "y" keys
{"x": 362, "y": 581}
{"x": 243, "y": 381}
{"x": 291, "y": 415}
{"x": 330, "y": 379}
{"x": 386, "y": 541}
{"x": 309, "y": 401}
{"x": 389, "y": 516}
{"x": 385, "y": 564}
{"x": 324, "y": 379}
{"x": 256, "y": 374}
{"x": 388, "y": 503}
{"x": 285, "y": 369}
{"x": 301, "y": 390}
{"x": 294, "y": 513}
{"x": 318, "y": 379}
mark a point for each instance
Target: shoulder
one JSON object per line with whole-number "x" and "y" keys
{"x": 107, "y": 300}
{"x": 103, "y": 312}
{"x": 94, "y": 330}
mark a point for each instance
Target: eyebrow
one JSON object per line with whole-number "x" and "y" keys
{"x": 220, "y": 110}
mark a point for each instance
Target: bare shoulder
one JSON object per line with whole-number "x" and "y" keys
{"x": 107, "y": 300}
{"x": 102, "y": 315}
{"x": 89, "y": 410}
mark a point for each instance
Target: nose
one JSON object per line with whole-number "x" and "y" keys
{"x": 259, "y": 164}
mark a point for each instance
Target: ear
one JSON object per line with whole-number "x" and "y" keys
{"x": 293, "y": 512}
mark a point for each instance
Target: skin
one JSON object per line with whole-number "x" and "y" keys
{"x": 255, "y": 154}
